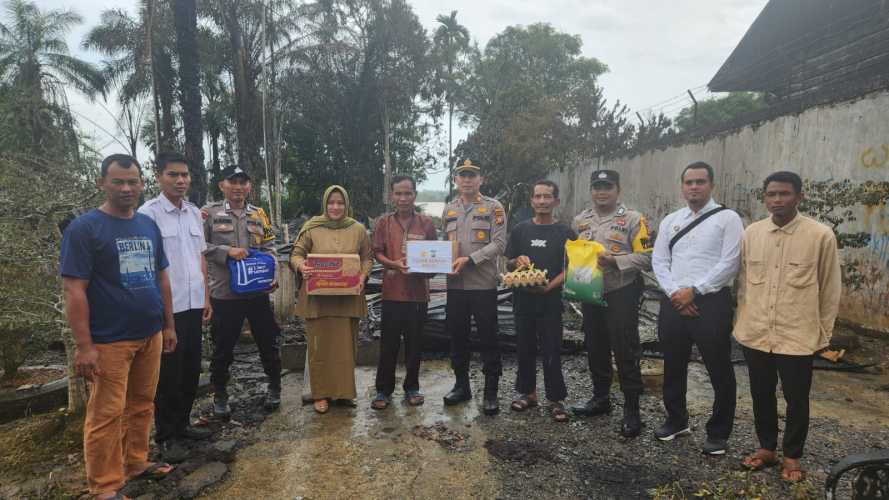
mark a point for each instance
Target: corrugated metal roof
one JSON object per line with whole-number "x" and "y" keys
{"x": 793, "y": 43}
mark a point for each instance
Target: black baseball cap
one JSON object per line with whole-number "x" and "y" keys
{"x": 606, "y": 176}
{"x": 232, "y": 171}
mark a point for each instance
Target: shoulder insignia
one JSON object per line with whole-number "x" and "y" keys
{"x": 204, "y": 214}
{"x": 499, "y": 216}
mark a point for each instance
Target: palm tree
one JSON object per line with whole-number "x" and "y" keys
{"x": 36, "y": 68}
{"x": 186, "y": 21}
{"x": 139, "y": 60}
{"x": 451, "y": 40}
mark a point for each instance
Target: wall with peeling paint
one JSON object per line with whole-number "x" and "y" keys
{"x": 846, "y": 140}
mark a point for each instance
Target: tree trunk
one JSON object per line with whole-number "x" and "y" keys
{"x": 185, "y": 18}
{"x": 450, "y": 148}
{"x": 164, "y": 77}
{"x": 77, "y": 388}
{"x": 155, "y": 90}
{"x": 246, "y": 107}
{"x": 387, "y": 157}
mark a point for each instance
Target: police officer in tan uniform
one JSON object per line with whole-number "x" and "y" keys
{"x": 478, "y": 224}
{"x": 615, "y": 328}
{"x": 232, "y": 227}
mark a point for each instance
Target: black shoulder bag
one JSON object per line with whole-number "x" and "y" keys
{"x": 694, "y": 224}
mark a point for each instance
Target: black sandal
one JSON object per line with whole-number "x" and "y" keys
{"x": 153, "y": 472}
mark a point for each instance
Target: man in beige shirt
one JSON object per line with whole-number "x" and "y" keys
{"x": 788, "y": 298}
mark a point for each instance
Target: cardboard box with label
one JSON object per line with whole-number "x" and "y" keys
{"x": 334, "y": 274}
{"x": 431, "y": 257}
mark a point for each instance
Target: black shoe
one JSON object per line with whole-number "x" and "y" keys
{"x": 460, "y": 393}
{"x": 714, "y": 446}
{"x": 220, "y": 406}
{"x": 490, "y": 404}
{"x": 595, "y": 406}
{"x": 670, "y": 431}
{"x": 632, "y": 423}
{"x": 195, "y": 433}
{"x": 272, "y": 399}
{"x": 172, "y": 451}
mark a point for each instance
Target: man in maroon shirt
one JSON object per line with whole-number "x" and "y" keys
{"x": 405, "y": 294}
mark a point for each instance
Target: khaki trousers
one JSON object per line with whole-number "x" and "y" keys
{"x": 120, "y": 411}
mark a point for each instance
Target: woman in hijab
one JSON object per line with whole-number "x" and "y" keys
{"x": 332, "y": 321}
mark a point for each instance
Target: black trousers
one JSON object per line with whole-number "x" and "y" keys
{"x": 614, "y": 329}
{"x": 179, "y": 376}
{"x": 462, "y": 307}
{"x": 540, "y": 321}
{"x": 228, "y": 318}
{"x": 711, "y": 332}
{"x": 796, "y": 381}
{"x": 401, "y": 320}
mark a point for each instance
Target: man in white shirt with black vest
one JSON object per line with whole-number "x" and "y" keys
{"x": 696, "y": 257}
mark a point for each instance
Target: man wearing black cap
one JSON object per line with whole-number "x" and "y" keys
{"x": 625, "y": 236}
{"x": 232, "y": 227}
{"x": 478, "y": 224}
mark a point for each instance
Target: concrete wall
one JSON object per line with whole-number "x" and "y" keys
{"x": 847, "y": 140}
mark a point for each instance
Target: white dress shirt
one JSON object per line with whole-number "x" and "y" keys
{"x": 182, "y": 229}
{"x": 707, "y": 257}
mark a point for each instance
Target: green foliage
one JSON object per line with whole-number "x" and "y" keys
{"x": 536, "y": 106}
{"x": 35, "y": 195}
{"x": 42, "y": 174}
{"x": 719, "y": 110}
{"x": 360, "y": 70}
{"x": 736, "y": 486}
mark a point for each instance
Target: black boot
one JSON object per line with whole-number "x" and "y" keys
{"x": 598, "y": 405}
{"x": 632, "y": 424}
{"x": 490, "y": 405}
{"x": 272, "y": 399}
{"x": 461, "y": 391}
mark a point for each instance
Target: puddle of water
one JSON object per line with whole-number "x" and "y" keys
{"x": 362, "y": 452}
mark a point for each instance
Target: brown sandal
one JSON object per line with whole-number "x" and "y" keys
{"x": 559, "y": 413}
{"x": 524, "y": 402}
{"x": 792, "y": 472}
{"x": 760, "y": 459}
{"x": 321, "y": 406}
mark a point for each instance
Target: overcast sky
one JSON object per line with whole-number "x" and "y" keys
{"x": 654, "y": 50}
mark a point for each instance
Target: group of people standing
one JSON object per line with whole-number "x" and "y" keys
{"x": 140, "y": 284}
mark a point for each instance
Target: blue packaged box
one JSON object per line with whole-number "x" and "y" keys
{"x": 255, "y": 273}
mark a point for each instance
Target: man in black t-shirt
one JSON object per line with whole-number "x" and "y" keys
{"x": 538, "y": 310}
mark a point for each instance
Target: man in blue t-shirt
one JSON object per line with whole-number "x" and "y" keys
{"x": 119, "y": 308}
{"x": 538, "y": 310}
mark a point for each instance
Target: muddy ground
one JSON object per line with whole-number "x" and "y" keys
{"x": 438, "y": 452}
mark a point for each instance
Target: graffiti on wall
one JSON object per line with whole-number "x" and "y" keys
{"x": 873, "y": 158}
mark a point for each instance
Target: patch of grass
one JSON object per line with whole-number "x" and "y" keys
{"x": 736, "y": 486}
{"x": 32, "y": 444}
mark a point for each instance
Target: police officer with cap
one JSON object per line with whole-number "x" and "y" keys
{"x": 478, "y": 224}
{"x": 232, "y": 227}
{"x": 625, "y": 235}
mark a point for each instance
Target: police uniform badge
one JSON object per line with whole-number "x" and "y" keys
{"x": 499, "y": 216}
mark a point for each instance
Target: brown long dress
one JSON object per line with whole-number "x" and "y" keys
{"x": 332, "y": 321}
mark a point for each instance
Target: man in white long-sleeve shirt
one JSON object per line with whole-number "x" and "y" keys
{"x": 695, "y": 268}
